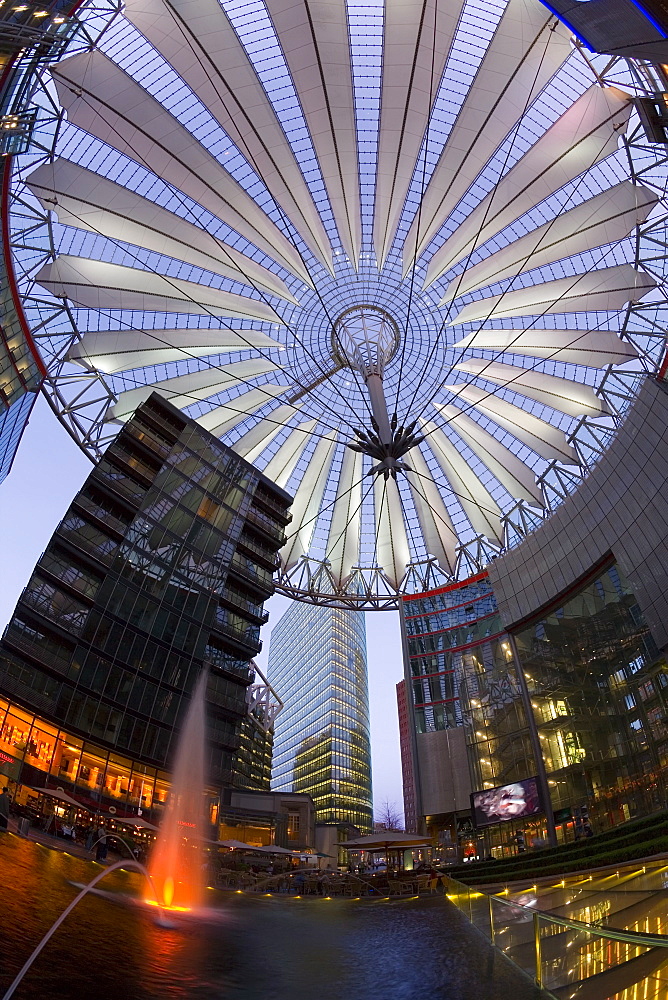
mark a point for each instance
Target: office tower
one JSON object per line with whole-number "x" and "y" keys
{"x": 407, "y": 765}
{"x": 161, "y": 565}
{"x": 317, "y": 662}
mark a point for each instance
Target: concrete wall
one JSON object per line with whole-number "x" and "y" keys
{"x": 445, "y": 784}
{"x": 622, "y": 507}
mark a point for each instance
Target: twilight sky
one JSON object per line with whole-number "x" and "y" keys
{"x": 50, "y": 468}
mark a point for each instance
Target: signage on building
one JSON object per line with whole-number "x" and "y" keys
{"x": 465, "y": 828}
{"x": 9, "y": 766}
{"x": 563, "y": 815}
{"x": 498, "y": 805}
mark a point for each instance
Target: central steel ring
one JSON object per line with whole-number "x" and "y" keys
{"x": 365, "y": 338}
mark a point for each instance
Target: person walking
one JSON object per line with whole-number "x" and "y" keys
{"x": 4, "y": 808}
{"x": 101, "y": 836}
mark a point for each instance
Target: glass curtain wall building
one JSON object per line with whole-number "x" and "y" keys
{"x": 599, "y": 692}
{"x": 595, "y": 701}
{"x": 13, "y": 422}
{"x": 469, "y": 728}
{"x": 161, "y": 564}
{"x": 317, "y": 661}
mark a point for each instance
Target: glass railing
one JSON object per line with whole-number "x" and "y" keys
{"x": 268, "y": 557}
{"x": 566, "y": 957}
{"x": 273, "y": 529}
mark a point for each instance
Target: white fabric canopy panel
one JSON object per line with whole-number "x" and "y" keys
{"x": 95, "y": 284}
{"x": 573, "y": 398}
{"x": 121, "y": 350}
{"x": 222, "y": 419}
{"x": 339, "y": 236}
{"x": 307, "y": 503}
{"x": 82, "y": 199}
{"x": 594, "y": 348}
{"x": 282, "y": 465}
{"x": 435, "y": 522}
{"x": 314, "y": 38}
{"x": 476, "y": 501}
{"x": 417, "y": 40}
{"x": 102, "y": 99}
{"x": 527, "y": 49}
{"x": 343, "y": 544}
{"x": 392, "y": 549}
{"x": 256, "y": 440}
{"x": 184, "y": 390}
{"x": 606, "y": 218}
{"x": 198, "y": 40}
{"x": 605, "y": 290}
{"x": 587, "y": 133}
{"x": 512, "y": 473}
{"x": 547, "y": 441}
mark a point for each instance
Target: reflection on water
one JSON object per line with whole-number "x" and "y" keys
{"x": 257, "y": 949}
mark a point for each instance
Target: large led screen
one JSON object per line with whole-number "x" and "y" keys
{"x": 515, "y": 801}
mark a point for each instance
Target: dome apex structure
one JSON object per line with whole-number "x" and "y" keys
{"x": 403, "y": 257}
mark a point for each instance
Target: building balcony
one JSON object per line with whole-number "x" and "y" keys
{"x": 236, "y": 601}
{"x": 94, "y": 549}
{"x": 238, "y": 635}
{"x": 18, "y": 641}
{"x": 272, "y": 505}
{"x": 253, "y": 575}
{"x": 267, "y": 558}
{"x": 72, "y": 623}
{"x": 104, "y": 519}
{"x": 132, "y": 462}
{"x": 147, "y": 440}
{"x": 126, "y": 489}
{"x": 267, "y": 525}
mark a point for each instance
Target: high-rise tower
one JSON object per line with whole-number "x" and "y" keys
{"x": 317, "y": 660}
{"x": 161, "y": 564}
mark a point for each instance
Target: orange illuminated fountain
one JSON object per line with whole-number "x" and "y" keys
{"x": 177, "y": 860}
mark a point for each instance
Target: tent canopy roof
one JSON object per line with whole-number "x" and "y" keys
{"x": 386, "y": 840}
{"x": 55, "y": 793}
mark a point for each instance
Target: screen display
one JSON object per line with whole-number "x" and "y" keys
{"x": 515, "y": 801}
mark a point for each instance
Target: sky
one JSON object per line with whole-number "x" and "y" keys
{"x": 48, "y": 471}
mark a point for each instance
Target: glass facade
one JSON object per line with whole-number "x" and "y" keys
{"x": 596, "y": 684}
{"x": 13, "y": 422}
{"x": 160, "y": 565}
{"x": 599, "y": 692}
{"x": 317, "y": 663}
{"x": 462, "y": 673}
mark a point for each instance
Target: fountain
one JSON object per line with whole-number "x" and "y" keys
{"x": 177, "y": 863}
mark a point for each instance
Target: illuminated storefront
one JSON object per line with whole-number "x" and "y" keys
{"x": 36, "y": 754}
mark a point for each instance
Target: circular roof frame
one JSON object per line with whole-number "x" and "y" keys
{"x": 81, "y": 395}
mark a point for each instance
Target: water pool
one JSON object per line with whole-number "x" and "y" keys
{"x": 258, "y": 948}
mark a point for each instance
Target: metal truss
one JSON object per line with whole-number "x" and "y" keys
{"x": 80, "y": 397}
{"x": 263, "y": 702}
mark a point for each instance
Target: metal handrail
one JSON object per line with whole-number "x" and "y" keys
{"x": 646, "y": 939}
{"x": 643, "y": 940}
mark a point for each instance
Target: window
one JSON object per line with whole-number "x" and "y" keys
{"x": 293, "y": 826}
